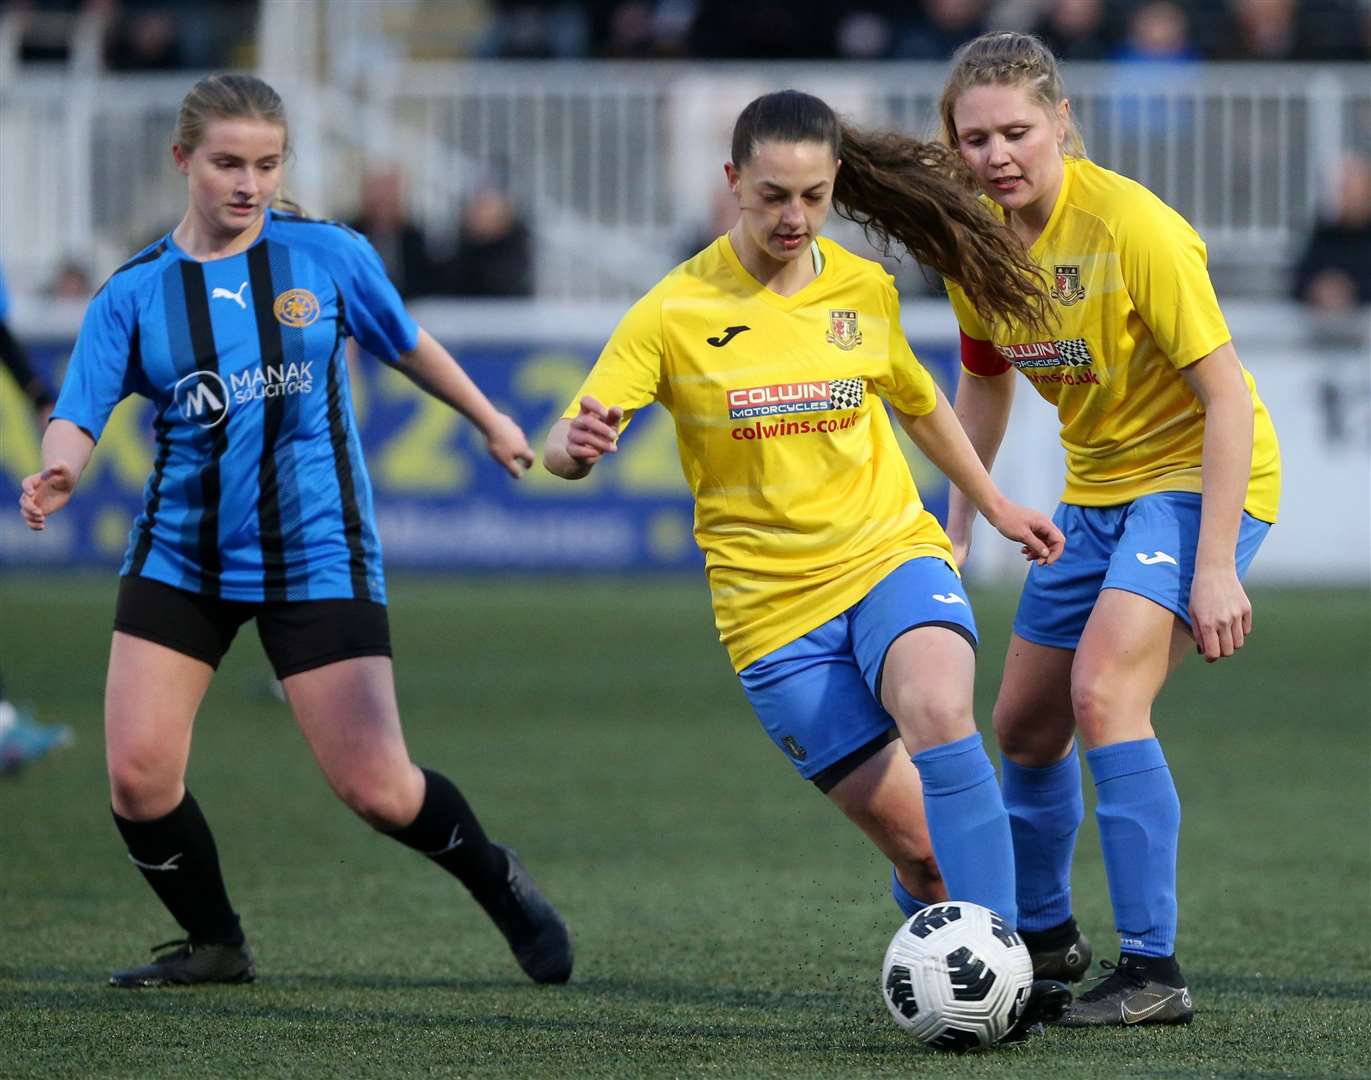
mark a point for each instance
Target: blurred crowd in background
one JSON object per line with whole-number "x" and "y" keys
{"x": 490, "y": 250}
{"x": 147, "y": 35}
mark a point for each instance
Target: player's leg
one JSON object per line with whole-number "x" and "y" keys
{"x": 1035, "y": 727}
{"x": 346, "y": 708}
{"x": 1040, "y": 777}
{"x": 1130, "y": 646}
{"x": 925, "y": 677}
{"x": 914, "y": 637}
{"x": 883, "y": 797}
{"x": 164, "y": 652}
{"x": 815, "y": 705}
{"x": 1137, "y": 635}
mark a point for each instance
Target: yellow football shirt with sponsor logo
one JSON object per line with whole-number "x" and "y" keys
{"x": 803, "y": 500}
{"x": 1135, "y": 303}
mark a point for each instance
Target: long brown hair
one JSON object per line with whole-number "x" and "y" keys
{"x": 231, "y": 96}
{"x": 917, "y": 194}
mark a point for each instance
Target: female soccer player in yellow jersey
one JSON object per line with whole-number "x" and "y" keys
{"x": 834, "y": 590}
{"x": 1173, "y": 476}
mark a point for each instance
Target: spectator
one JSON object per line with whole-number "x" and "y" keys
{"x": 1078, "y": 30}
{"x": 1334, "y": 272}
{"x": 1283, "y": 30}
{"x": 384, "y": 220}
{"x": 536, "y": 30}
{"x": 1156, "y": 52}
{"x": 943, "y": 25}
{"x": 70, "y": 282}
{"x": 494, "y": 248}
{"x": 144, "y": 41}
{"x": 764, "y": 30}
{"x": 1158, "y": 33}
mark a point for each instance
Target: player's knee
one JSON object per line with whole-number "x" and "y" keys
{"x": 1032, "y": 740}
{"x": 935, "y": 720}
{"x": 1095, "y": 702}
{"x": 383, "y": 803}
{"x": 141, "y": 791}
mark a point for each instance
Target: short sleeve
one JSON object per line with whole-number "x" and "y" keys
{"x": 908, "y": 386}
{"x": 103, "y": 369}
{"x": 628, "y": 372}
{"x": 374, "y": 313}
{"x": 1164, "y": 267}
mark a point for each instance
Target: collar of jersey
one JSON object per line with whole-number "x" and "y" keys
{"x": 1068, "y": 170}
{"x": 775, "y": 299}
{"x": 172, "y": 245}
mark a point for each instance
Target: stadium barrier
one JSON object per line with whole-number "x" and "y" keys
{"x": 442, "y": 504}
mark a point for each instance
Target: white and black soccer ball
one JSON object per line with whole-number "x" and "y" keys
{"x": 955, "y": 976}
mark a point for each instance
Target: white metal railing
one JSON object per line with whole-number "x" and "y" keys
{"x": 616, "y": 164}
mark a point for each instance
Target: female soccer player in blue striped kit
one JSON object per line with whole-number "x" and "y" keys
{"x": 259, "y": 506}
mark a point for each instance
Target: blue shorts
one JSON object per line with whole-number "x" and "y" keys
{"x": 819, "y": 697}
{"x": 1145, "y": 547}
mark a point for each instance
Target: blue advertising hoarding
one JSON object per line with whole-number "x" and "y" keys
{"x": 441, "y": 502}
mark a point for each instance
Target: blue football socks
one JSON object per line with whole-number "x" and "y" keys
{"x": 1045, "y": 808}
{"x": 1140, "y": 824}
{"x": 904, "y": 899}
{"x": 968, "y": 825}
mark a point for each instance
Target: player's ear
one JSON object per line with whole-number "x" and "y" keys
{"x": 181, "y": 158}
{"x": 732, "y": 175}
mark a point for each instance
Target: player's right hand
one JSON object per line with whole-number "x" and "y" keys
{"x": 45, "y": 493}
{"x": 594, "y": 432}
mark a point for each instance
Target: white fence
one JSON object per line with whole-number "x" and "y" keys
{"x": 615, "y": 165}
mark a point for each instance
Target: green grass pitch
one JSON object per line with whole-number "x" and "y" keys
{"x": 728, "y": 921}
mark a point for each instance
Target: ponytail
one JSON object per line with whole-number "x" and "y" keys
{"x": 921, "y": 196}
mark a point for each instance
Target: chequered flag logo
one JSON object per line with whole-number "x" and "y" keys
{"x": 847, "y": 393}
{"x": 1074, "y": 353}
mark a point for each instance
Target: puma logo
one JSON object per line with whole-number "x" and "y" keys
{"x": 223, "y": 294}
{"x": 728, "y": 335}
{"x": 1155, "y": 558}
{"x": 170, "y": 864}
{"x": 454, "y": 841}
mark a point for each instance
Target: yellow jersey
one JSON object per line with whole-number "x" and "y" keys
{"x": 803, "y": 500}
{"x": 1136, "y": 306}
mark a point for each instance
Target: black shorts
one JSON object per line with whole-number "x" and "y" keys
{"x": 298, "y": 635}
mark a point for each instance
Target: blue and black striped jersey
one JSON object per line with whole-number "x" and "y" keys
{"x": 258, "y": 491}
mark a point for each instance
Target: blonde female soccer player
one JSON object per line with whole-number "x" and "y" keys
{"x": 259, "y": 508}
{"x": 1173, "y": 476}
{"x": 834, "y": 590}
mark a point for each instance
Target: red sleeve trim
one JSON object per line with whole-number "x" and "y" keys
{"x": 981, "y": 357}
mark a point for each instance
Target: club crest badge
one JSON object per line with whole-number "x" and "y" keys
{"x": 1066, "y": 285}
{"x": 296, "y": 307}
{"x": 842, "y": 330}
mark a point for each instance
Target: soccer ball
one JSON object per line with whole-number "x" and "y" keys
{"x": 955, "y": 976}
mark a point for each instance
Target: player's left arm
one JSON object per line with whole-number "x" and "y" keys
{"x": 435, "y": 371}
{"x": 940, "y": 435}
{"x": 1220, "y": 613}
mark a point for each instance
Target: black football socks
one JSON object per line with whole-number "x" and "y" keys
{"x": 446, "y": 830}
{"x": 177, "y": 857}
